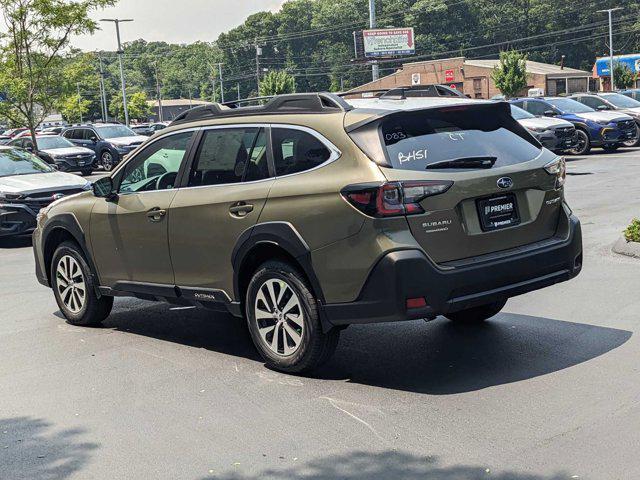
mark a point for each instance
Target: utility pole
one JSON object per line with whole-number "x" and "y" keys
{"x": 117, "y": 22}
{"x": 158, "y": 92}
{"x": 79, "y": 101}
{"x": 258, "y": 53}
{"x": 213, "y": 86}
{"x": 238, "y": 86}
{"x": 375, "y": 73}
{"x": 609, "y": 11}
{"x": 221, "y": 82}
{"x": 103, "y": 93}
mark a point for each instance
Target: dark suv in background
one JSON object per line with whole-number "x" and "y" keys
{"x": 594, "y": 128}
{"x": 110, "y": 142}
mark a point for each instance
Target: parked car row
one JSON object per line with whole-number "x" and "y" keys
{"x": 606, "y": 120}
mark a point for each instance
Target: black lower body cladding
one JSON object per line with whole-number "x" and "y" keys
{"x": 406, "y": 274}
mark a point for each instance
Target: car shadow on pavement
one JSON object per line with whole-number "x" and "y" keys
{"x": 386, "y": 465}
{"x": 20, "y": 241}
{"x": 443, "y": 358}
{"x": 438, "y": 358}
{"x": 197, "y": 327}
{"x": 30, "y": 451}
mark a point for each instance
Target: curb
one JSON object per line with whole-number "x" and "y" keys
{"x": 630, "y": 249}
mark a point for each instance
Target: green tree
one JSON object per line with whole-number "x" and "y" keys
{"x": 137, "y": 103}
{"x": 277, "y": 82}
{"x": 510, "y": 76}
{"x": 623, "y": 76}
{"x": 74, "y": 108}
{"x": 35, "y": 34}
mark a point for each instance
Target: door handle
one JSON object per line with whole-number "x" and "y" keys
{"x": 156, "y": 214}
{"x": 240, "y": 209}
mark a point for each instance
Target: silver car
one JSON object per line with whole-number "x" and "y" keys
{"x": 27, "y": 184}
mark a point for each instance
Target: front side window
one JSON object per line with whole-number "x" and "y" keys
{"x": 157, "y": 166}
{"x": 231, "y": 155}
{"x": 592, "y": 102}
{"x": 538, "y": 108}
{"x": 296, "y": 151}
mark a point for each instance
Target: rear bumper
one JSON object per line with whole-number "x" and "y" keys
{"x": 457, "y": 286}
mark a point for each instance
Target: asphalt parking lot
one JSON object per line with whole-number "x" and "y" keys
{"x": 547, "y": 390}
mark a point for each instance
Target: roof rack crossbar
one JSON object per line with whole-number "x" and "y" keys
{"x": 293, "y": 103}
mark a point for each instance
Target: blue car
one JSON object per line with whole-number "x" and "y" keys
{"x": 606, "y": 129}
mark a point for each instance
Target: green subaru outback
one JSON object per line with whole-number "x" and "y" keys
{"x": 309, "y": 213}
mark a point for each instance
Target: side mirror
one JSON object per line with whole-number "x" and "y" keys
{"x": 103, "y": 188}
{"x": 29, "y": 149}
{"x": 93, "y": 139}
{"x": 549, "y": 113}
{"x": 603, "y": 107}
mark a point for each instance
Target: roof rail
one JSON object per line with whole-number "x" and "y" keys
{"x": 294, "y": 103}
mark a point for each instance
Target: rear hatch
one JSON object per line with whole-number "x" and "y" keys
{"x": 500, "y": 197}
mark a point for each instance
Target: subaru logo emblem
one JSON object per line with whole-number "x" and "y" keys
{"x": 505, "y": 182}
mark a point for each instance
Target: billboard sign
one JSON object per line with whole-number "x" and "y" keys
{"x": 389, "y": 42}
{"x": 603, "y": 64}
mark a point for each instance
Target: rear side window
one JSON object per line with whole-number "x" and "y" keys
{"x": 296, "y": 151}
{"x": 231, "y": 155}
{"x": 420, "y": 140}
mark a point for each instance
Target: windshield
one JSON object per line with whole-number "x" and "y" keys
{"x": 20, "y": 162}
{"x": 621, "y": 101}
{"x": 520, "y": 114}
{"x": 418, "y": 140}
{"x": 566, "y": 105}
{"x": 51, "y": 143}
{"x": 115, "y": 131}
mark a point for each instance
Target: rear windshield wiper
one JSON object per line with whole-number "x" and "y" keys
{"x": 465, "y": 162}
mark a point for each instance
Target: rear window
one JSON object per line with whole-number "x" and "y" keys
{"x": 418, "y": 140}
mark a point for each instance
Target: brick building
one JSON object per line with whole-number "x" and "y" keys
{"x": 473, "y": 77}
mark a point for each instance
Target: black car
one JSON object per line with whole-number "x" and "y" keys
{"x": 59, "y": 151}
{"x": 110, "y": 141}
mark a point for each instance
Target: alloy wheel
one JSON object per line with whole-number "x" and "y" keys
{"x": 70, "y": 284}
{"x": 279, "y": 316}
{"x": 581, "y": 143}
{"x": 107, "y": 161}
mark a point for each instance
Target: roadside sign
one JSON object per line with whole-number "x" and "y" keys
{"x": 389, "y": 42}
{"x": 453, "y": 85}
{"x": 449, "y": 76}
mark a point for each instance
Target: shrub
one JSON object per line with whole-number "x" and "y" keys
{"x": 632, "y": 232}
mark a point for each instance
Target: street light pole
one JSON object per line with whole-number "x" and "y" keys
{"x": 221, "y": 82}
{"x": 375, "y": 73}
{"x": 609, "y": 11}
{"x": 117, "y": 22}
{"x": 158, "y": 92}
{"x": 258, "y": 53}
{"x": 103, "y": 93}
{"x": 79, "y": 101}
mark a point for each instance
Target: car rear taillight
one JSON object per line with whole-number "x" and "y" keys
{"x": 557, "y": 167}
{"x": 392, "y": 199}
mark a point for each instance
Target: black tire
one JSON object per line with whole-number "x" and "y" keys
{"x": 636, "y": 141}
{"x": 315, "y": 346}
{"x": 609, "y": 148}
{"x": 86, "y": 171}
{"x": 93, "y": 310}
{"x": 477, "y": 314}
{"x": 107, "y": 160}
{"x": 584, "y": 143}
